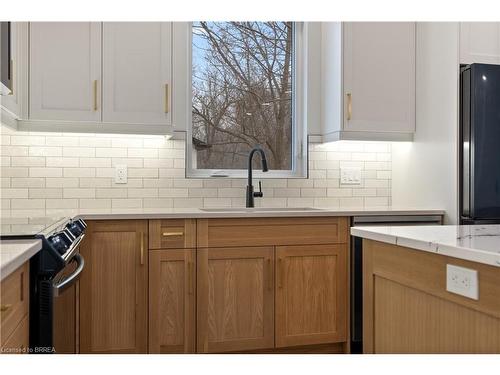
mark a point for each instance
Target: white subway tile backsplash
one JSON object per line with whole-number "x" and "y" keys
{"x": 55, "y": 173}
{"x": 27, "y": 161}
{"x": 79, "y": 193}
{"x": 14, "y": 193}
{"x": 110, "y": 152}
{"x": 158, "y": 202}
{"x": 95, "y": 162}
{"x": 62, "y": 162}
{"x": 14, "y": 171}
{"x": 46, "y": 151}
{"x": 79, "y": 172}
{"x": 126, "y": 203}
{"x": 46, "y": 193}
{"x": 14, "y": 150}
{"x": 29, "y": 140}
{"x": 62, "y": 182}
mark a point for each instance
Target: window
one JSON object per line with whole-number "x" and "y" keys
{"x": 245, "y": 92}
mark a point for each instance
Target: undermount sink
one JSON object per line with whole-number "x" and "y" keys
{"x": 260, "y": 209}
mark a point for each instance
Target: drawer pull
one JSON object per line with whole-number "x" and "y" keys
{"x": 173, "y": 234}
{"x": 4, "y": 308}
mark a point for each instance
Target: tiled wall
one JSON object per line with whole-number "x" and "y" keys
{"x": 58, "y": 173}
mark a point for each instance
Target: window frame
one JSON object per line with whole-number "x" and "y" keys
{"x": 299, "y": 118}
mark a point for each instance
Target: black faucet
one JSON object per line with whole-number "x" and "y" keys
{"x": 250, "y": 192}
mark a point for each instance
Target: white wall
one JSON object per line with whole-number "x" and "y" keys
{"x": 425, "y": 171}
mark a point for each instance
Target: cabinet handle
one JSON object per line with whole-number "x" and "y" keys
{"x": 4, "y": 308}
{"x": 349, "y": 106}
{"x": 95, "y": 95}
{"x": 172, "y": 234}
{"x": 11, "y": 77}
{"x": 190, "y": 278}
{"x": 166, "y": 98}
{"x": 269, "y": 274}
{"x": 142, "y": 248}
{"x": 280, "y": 271}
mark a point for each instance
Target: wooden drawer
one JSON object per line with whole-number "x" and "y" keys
{"x": 14, "y": 297}
{"x": 172, "y": 234}
{"x": 272, "y": 231}
{"x": 18, "y": 341}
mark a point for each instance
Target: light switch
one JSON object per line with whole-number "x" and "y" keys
{"x": 463, "y": 281}
{"x": 350, "y": 176}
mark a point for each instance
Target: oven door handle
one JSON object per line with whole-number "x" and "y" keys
{"x": 66, "y": 282}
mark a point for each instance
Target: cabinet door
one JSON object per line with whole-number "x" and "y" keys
{"x": 65, "y": 71}
{"x": 480, "y": 42}
{"x": 172, "y": 277}
{"x": 18, "y": 64}
{"x": 235, "y": 309}
{"x": 379, "y": 77}
{"x": 114, "y": 288}
{"x": 137, "y": 72}
{"x": 311, "y": 294}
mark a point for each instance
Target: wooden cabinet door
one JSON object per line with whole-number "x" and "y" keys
{"x": 311, "y": 294}
{"x": 65, "y": 71}
{"x": 137, "y": 72}
{"x": 235, "y": 308}
{"x": 114, "y": 287}
{"x": 379, "y": 77}
{"x": 172, "y": 277}
{"x": 480, "y": 42}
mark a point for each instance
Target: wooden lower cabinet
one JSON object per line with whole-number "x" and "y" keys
{"x": 408, "y": 310}
{"x": 235, "y": 299}
{"x": 273, "y": 296}
{"x": 14, "y": 312}
{"x": 114, "y": 287}
{"x": 311, "y": 294}
{"x": 172, "y": 301}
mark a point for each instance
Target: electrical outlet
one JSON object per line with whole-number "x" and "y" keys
{"x": 462, "y": 281}
{"x": 121, "y": 174}
{"x": 350, "y": 176}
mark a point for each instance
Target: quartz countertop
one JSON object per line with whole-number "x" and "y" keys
{"x": 476, "y": 243}
{"x": 13, "y": 254}
{"x": 195, "y": 213}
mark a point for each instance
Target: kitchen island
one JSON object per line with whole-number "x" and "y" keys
{"x": 432, "y": 289}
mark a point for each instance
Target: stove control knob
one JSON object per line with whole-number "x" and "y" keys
{"x": 58, "y": 244}
{"x": 74, "y": 228}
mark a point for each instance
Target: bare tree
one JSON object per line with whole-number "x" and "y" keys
{"x": 242, "y": 92}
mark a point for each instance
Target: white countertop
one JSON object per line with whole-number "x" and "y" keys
{"x": 477, "y": 243}
{"x": 196, "y": 213}
{"x": 13, "y": 254}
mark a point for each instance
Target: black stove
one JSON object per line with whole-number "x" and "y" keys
{"x": 60, "y": 238}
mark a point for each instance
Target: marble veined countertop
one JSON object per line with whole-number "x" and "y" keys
{"x": 13, "y": 254}
{"x": 476, "y": 243}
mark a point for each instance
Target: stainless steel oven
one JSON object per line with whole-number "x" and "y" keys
{"x": 54, "y": 273}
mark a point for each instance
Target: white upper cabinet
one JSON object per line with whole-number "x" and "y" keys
{"x": 14, "y": 103}
{"x": 480, "y": 42}
{"x": 137, "y": 72}
{"x": 379, "y": 79}
{"x": 368, "y": 81}
{"x": 65, "y": 71}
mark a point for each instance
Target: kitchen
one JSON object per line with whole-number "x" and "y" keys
{"x": 250, "y": 187}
